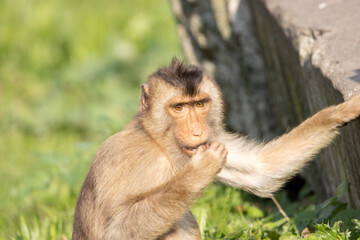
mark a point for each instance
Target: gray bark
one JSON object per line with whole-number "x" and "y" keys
{"x": 219, "y": 36}
{"x": 277, "y": 65}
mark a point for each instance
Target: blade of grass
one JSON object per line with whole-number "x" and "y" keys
{"x": 224, "y": 213}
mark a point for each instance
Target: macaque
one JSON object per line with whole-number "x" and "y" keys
{"x": 144, "y": 179}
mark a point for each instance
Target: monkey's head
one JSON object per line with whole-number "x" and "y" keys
{"x": 180, "y": 103}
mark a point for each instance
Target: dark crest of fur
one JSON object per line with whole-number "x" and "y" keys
{"x": 178, "y": 74}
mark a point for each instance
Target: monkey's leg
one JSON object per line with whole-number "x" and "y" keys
{"x": 263, "y": 169}
{"x": 187, "y": 229}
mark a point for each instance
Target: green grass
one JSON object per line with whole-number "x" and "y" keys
{"x": 69, "y": 77}
{"x": 228, "y": 213}
{"x": 70, "y": 73}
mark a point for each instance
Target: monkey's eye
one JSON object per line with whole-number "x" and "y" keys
{"x": 200, "y": 104}
{"x": 178, "y": 107}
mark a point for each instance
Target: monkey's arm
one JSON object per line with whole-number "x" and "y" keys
{"x": 264, "y": 168}
{"x": 150, "y": 214}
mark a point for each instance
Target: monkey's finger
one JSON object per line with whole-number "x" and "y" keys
{"x": 221, "y": 147}
{"x": 213, "y": 142}
{"x": 214, "y": 145}
{"x": 224, "y": 153}
{"x": 357, "y": 101}
{"x": 200, "y": 149}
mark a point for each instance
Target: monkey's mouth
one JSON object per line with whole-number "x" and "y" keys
{"x": 189, "y": 150}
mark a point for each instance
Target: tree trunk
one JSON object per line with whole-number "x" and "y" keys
{"x": 219, "y": 36}
{"x": 274, "y": 74}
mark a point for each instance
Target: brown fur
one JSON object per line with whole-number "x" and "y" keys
{"x": 264, "y": 168}
{"x": 143, "y": 181}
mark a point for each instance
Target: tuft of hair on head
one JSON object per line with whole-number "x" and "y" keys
{"x": 181, "y": 75}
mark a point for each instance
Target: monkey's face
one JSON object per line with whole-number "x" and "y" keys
{"x": 189, "y": 115}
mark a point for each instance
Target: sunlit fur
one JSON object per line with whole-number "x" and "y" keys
{"x": 157, "y": 121}
{"x": 264, "y": 168}
{"x": 141, "y": 183}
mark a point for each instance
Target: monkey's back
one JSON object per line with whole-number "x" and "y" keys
{"x": 125, "y": 164}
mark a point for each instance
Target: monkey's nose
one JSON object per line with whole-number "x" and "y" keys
{"x": 197, "y": 133}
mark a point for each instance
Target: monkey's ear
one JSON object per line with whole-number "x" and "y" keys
{"x": 144, "y": 98}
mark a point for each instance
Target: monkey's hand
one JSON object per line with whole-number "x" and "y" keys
{"x": 210, "y": 158}
{"x": 350, "y": 109}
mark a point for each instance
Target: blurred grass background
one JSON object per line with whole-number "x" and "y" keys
{"x": 70, "y": 75}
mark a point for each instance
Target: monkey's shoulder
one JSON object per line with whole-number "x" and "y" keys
{"x": 124, "y": 143}
{"x": 129, "y": 149}
{"x": 130, "y": 157}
